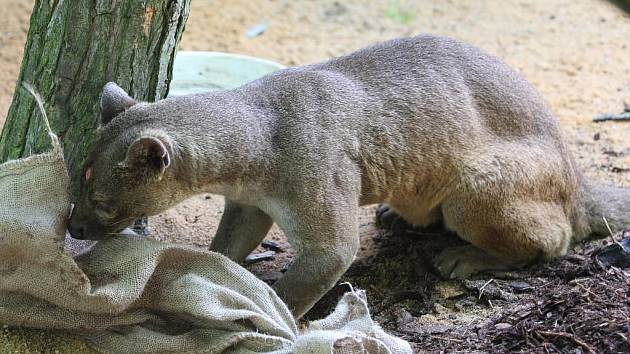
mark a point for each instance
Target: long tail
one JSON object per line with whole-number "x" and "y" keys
{"x": 602, "y": 201}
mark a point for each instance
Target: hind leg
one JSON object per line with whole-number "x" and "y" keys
{"x": 503, "y": 234}
{"x": 241, "y": 230}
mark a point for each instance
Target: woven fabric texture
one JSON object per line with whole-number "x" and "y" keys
{"x": 132, "y": 295}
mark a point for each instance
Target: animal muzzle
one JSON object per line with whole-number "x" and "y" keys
{"x": 77, "y": 232}
{"x": 82, "y": 230}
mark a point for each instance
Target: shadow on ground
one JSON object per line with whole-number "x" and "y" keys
{"x": 574, "y": 304}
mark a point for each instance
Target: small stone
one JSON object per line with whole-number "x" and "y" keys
{"x": 616, "y": 254}
{"x": 403, "y": 317}
{"x": 612, "y": 153}
{"x": 437, "y": 329}
{"x": 259, "y": 257}
{"x": 520, "y": 286}
{"x": 335, "y": 10}
{"x": 596, "y": 136}
{"x": 502, "y": 326}
{"x": 439, "y": 309}
{"x": 257, "y": 29}
{"x": 270, "y": 245}
{"x": 270, "y": 277}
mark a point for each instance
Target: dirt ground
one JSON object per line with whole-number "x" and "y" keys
{"x": 574, "y": 52}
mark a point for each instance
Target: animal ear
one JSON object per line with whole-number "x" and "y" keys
{"x": 149, "y": 154}
{"x": 114, "y": 100}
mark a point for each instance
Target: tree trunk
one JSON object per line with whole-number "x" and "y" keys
{"x": 75, "y": 47}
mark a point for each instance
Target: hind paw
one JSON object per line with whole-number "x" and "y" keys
{"x": 464, "y": 261}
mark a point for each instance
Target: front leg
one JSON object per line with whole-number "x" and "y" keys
{"x": 241, "y": 230}
{"x": 325, "y": 236}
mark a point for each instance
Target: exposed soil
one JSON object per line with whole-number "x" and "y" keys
{"x": 574, "y": 52}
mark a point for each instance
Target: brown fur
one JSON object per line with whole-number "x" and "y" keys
{"x": 431, "y": 126}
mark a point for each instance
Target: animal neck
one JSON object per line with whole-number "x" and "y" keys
{"x": 222, "y": 158}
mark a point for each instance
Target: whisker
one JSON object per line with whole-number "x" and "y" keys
{"x": 125, "y": 220}
{"x": 136, "y": 203}
{"x": 115, "y": 234}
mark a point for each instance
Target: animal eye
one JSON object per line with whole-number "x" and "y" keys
{"x": 104, "y": 210}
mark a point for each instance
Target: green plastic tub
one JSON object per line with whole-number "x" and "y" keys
{"x": 195, "y": 72}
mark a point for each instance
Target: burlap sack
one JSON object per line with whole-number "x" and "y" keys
{"x": 131, "y": 295}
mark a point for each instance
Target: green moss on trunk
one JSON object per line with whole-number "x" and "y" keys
{"x": 75, "y": 47}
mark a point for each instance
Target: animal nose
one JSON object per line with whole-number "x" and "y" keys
{"x": 77, "y": 232}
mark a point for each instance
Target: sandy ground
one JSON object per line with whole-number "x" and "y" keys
{"x": 574, "y": 52}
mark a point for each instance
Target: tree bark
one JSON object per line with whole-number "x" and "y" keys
{"x": 75, "y": 47}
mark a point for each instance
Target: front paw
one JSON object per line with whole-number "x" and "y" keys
{"x": 387, "y": 218}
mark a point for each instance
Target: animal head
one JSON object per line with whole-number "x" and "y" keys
{"x": 127, "y": 173}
